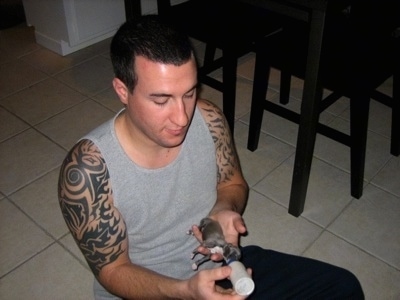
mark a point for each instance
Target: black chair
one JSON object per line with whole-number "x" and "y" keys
{"x": 360, "y": 51}
{"x": 230, "y": 26}
{"x": 133, "y": 9}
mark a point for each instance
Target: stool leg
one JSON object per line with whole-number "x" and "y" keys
{"x": 309, "y": 117}
{"x": 395, "y": 134}
{"x": 260, "y": 86}
{"x": 209, "y": 54}
{"x": 285, "y": 87}
{"x": 229, "y": 87}
{"x": 133, "y": 9}
{"x": 359, "y": 111}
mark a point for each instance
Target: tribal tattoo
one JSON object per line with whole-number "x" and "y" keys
{"x": 227, "y": 160}
{"x": 85, "y": 198}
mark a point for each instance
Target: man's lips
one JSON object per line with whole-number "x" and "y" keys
{"x": 176, "y": 132}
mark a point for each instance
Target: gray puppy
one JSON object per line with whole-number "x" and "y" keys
{"x": 214, "y": 240}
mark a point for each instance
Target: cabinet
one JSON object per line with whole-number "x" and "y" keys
{"x": 65, "y": 26}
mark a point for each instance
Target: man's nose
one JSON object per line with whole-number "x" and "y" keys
{"x": 179, "y": 115}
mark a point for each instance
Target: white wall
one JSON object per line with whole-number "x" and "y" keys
{"x": 65, "y": 26}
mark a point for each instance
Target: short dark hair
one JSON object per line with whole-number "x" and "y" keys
{"x": 152, "y": 38}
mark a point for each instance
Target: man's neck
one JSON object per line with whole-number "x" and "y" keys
{"x": 143, "y": 153}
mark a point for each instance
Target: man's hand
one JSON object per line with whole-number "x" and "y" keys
{"x": 202, "y": 285}
{"x": 232, "y": 225}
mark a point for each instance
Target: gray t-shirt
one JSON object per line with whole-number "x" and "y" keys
{"x": 160, "y": 205}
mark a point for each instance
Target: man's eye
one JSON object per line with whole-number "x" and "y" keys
{"x": 161, "y": 101}
{"x": 189, "y": 96}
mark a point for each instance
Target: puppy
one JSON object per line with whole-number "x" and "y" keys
{"x": 214, "y": 240}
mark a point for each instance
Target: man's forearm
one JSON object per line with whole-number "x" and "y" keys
{"x": 134, "y": 282}
{"x": 233, "y": 198}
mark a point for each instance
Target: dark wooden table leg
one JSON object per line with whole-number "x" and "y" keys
{"x": 309, "y": 116}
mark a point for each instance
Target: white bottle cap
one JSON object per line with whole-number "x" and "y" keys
{"x": 241, "y": 280}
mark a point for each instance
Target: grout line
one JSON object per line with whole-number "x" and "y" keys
{"x": 27, "y": 260}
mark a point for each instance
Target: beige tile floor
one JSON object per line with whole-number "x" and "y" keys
{"x": 47, "y": 102}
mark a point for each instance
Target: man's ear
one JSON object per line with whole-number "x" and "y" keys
{"x": 121, "y": 89}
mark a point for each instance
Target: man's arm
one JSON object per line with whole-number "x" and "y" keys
{"x": 232, "y": 189}
{"x": 86, "y": 201}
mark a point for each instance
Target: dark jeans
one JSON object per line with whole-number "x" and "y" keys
{"x": 282, "y": 276}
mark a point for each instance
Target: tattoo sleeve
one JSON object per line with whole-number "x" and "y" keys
{"x": 85, "y": 198}
{"x": 227, "y": 160}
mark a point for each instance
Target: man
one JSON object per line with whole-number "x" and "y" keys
{"x": 131, "y": 189}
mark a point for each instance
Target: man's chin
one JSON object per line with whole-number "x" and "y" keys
{"x": 174, "y": 142}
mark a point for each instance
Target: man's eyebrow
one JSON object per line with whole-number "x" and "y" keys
{"x": 160, "y": 95}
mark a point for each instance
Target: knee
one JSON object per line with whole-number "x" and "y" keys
{"x": 349, "y": 286}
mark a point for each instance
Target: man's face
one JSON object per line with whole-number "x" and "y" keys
{"x": 163, "y": 101}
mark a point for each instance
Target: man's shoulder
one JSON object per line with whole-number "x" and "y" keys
{"x": 84, "y": 149}
{"x": 210, "y": 111}
{"x": 206, "y": 104}
{"x": 213, "y": 116}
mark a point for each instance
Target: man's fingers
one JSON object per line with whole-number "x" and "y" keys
{"x": 240, "y": 226}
